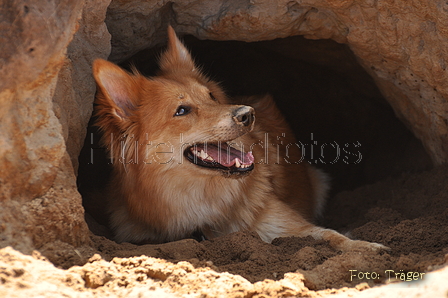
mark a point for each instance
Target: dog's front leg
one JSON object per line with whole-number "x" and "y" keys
{"x": 281, "y": 221}
{"x": 339, "y": 241}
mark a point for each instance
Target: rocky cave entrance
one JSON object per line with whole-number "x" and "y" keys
{"x": 333, "y": 105}
{"x": 337, "y": 113}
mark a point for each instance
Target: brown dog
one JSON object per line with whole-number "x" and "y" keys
{"x": 185, "y": 159}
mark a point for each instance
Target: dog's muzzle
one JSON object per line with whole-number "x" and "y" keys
{"x": 219, "y": 154}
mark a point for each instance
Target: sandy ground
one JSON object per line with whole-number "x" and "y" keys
{"x": 409, "y": 214}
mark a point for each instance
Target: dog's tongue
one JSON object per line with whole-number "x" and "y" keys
{"x": 227, "y": 155}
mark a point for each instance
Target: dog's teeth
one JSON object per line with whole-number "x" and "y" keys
{"x": 195, "y": 152}
{"x": 208, "y": 157}
{"x": 237, "y": 163}
{"x": 203, "y": 154}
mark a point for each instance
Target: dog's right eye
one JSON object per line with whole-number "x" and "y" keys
{"x": 182, "y": 111}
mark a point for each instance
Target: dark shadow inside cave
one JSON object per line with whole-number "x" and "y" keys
{"x": 337, "y": 113}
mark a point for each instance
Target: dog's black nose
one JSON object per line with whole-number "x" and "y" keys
{"x": 244, "y": 115}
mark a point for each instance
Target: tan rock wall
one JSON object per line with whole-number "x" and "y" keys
{"x": 46, "y": 99}
{"x": 76, "y": 88}
{"x": 402, "y": 44}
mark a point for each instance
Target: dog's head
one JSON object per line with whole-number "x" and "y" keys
{"x": 180, "y": 113}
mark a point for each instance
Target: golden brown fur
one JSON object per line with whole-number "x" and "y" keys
{"x": 158, "y": 196}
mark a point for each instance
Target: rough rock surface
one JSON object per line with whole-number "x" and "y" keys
{"x": 46, "y": 101}
{"x": 130, "y": 277}
{"x": 401, "y": 44}
{"x": 32, "y": 148}
{"x": 76, "y": 88}
{"x": 143, "y": 276}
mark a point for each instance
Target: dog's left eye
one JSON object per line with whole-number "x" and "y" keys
{"x": 212, "y": 97}
{"x": 182, "y": 111}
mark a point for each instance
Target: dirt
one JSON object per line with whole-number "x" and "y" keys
{"x": 409, "y": 214}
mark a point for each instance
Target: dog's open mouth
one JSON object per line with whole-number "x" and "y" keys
{"x": 220, "y": 156}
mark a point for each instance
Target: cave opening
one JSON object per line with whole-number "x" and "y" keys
{"x": 338, "y": 115}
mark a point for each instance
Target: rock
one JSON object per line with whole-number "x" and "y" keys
{"x": 402, "y": 45}
{"x": 33, "y": 276}
{"x": 35, "y": 38}
{"x": 76, "y": 88}
{"x": 40, "y": 88}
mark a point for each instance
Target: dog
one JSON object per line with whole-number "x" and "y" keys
{"x": 186, "y": 158}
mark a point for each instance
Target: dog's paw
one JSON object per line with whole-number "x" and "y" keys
{"x": 359, "y": 245}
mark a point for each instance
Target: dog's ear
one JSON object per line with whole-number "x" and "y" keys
{"x": 176, "y": 57}
{"x": 117, "y": 91}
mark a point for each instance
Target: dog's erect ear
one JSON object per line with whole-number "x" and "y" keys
{"x": 117, "y": 89}
{"x": 176, "y": 57}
